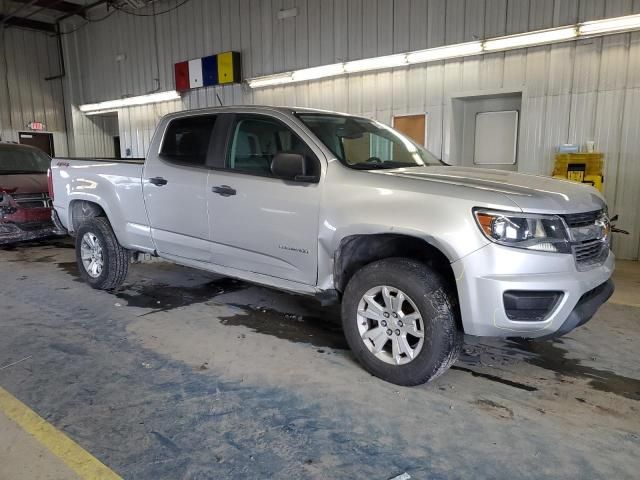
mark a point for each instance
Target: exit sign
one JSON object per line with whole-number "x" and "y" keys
{"x": 35, "y": 126}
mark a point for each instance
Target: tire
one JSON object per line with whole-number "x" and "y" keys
{"x": 113, "y": 257}
{"x": 429, "y": 297}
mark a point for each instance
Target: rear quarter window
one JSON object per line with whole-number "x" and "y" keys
{"x": 187, "y": 140}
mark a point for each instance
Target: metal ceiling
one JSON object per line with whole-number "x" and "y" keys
{"x": 41, "y": 14}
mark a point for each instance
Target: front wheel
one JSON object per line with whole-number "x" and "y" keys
{"x": 401, "y": 321}
{"x": 102, "y": 262}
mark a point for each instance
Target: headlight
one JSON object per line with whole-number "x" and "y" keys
{"x": 546, "y": 233}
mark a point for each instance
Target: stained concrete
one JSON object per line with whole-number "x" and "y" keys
{"x": 23, "y": 458}
{"x": 181, "y": 374}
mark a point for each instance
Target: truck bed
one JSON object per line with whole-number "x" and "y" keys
{"x": 115, "y": 185}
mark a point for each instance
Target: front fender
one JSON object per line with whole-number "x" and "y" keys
{"x": 332, "y": 241}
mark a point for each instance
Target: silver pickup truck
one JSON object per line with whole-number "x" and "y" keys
{"x": 346, "y": 209}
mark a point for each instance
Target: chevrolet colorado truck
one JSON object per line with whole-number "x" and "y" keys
{"x": 346, "y": 209}
{"x": 25, "y": 209}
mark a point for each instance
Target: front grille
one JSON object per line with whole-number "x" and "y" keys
{"x": 582, "y": 219}
{"x": 588, "y": 250}
{"x": 590, "y": 242}
{"x": 590, "y": 254}
{"x": 32, "y": 200}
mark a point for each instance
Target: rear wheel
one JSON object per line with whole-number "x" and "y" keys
{"x": 401, "y": 321}
{"x": 102, "y": 262}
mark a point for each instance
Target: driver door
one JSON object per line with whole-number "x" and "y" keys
{"x": 260, "y": 223}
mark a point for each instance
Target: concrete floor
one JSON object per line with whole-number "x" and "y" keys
{"x": 22, "y": 457}
{"x": 181, "y": 374}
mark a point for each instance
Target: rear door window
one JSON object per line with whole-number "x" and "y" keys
{"x": 187, "y": 140}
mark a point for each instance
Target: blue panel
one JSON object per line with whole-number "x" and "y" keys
{"x": 209, "y": 70}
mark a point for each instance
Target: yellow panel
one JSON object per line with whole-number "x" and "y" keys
{"x": 226, "y": 68}
{"x": 595, "y": 180}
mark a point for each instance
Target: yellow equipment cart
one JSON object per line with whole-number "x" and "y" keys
{"x": 580, "y": 167}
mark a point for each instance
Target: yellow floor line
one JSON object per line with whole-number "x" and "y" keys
{"x": 72, "y": 454}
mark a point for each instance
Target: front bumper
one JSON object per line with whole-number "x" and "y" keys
{"x": 483, "y": 276}
{"x": 15, "y": 232}
{"x": 585, "y": 309}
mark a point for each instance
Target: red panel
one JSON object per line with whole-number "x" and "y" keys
{"x": 182, "y": 76}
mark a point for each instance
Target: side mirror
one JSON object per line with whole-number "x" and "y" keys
{"x": 291, "y": 166}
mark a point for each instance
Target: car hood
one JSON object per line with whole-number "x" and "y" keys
{"x": 29, "y": 183}
{"x": 532, "y": 193}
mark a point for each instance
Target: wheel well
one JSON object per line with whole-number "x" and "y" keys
{"x": 357, "y": 251}
{"x": 82, "y": 210}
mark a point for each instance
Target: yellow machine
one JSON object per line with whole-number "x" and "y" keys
{"x": 580, "y": 167}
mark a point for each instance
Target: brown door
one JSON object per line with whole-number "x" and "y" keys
{"x": 413, "y": 126}
{"x": 43, "y": 141}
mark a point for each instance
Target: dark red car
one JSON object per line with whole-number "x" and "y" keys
{"x": 25, "y": 207}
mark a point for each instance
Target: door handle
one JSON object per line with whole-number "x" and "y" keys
{"x": 159, "y": 181}
{"x": 224, "y": 190}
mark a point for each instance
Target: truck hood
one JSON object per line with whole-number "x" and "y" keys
{"x": 26, "y": 183}
{"x": 532, "y": 193}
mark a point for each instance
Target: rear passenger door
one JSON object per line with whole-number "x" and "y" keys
{"x": 260, "y": 223}
{"x": 175, "y": 188}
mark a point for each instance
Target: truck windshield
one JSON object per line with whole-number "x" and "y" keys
{"x": 16, "y": 160}
{"x": 366, "y": 144}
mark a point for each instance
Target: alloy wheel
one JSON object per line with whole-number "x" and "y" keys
{"x": 91, "y": 255}
{"x": 390, "y": 325}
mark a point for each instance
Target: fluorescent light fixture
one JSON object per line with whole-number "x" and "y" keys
{"x": 539, "y": 37}
{"x": 318, "y": 72}
{"x": 442, "y": 53}
{"x": 131, "y": 101}
{"x": 376, "y": 63}
{"x": 271, "y": 80}
{"x": 610, "y": 25}
{"x": 532, "y": 38}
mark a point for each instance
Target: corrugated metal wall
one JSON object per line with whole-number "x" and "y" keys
{"x": 573, "y": 92}
{"x": 26, "y": 58}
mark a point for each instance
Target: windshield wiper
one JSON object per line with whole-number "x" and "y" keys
{"x": 368, "y": 166}
{"x": 389, "y": 164}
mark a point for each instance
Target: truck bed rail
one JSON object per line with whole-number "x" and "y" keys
{"x": 135, "y": 161}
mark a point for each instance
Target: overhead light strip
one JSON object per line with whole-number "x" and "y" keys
{"x": 541, "y": 37}
{"x": 442, "y": 53}
{"x": 130, "y": 102}
{"x": 498, "y": 44}
{"x": 375, "y": 63}
{"x": 609, "y": 25}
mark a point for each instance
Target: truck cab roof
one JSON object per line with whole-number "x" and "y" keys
{"x": 287, "y": 110}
